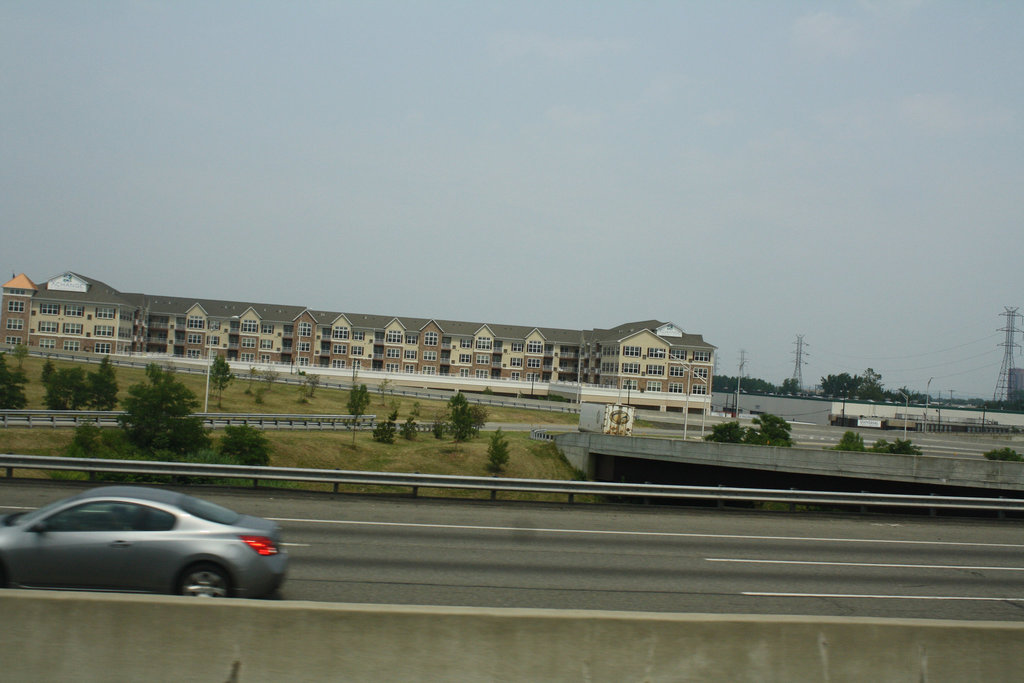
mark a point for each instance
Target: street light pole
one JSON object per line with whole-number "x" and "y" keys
{"x": 927, "y": 399}
{"x": 209, "y": 364}
{"x": 906, "y": 415}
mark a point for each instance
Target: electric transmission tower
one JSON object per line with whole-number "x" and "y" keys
{"x": 1002, "y": 392}
{"x": 798, "y": 366}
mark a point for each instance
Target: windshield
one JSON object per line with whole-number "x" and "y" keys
{"x": 211, "y": 512}
{"x": 31, "y": 517}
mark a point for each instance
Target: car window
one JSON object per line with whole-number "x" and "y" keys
{"x": 108, "y": 515}
{"x": 211, "y": 512}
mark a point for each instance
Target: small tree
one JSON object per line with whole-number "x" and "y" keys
{"x": 773, "y": 431}
{"x": 245, "y": 445}
{"x": 67, "y": 389}
{"x": 384, "y": 387}
{"x": 20, "y": 354}
{"x": 409, "y": 429}
{"x": 103, "y": 386}
{"x": 358, "y": 401}
{"x": 253, "y": 374}
{"x": 497, "y": 453}
{"x": 158, "y": 415}
{"x": 48, "y": 369}
{"x": 12, "y": 387}
{"x": 1005, "y": 453}
{"x": 478, "y": 415}
{"x": 851, "y": 441}
{"x": 269, "y": 377}
{"x": 384, "y": 432}
{"x": 460, "y": 418}
{"x": 897, "y": 447}
{"x": 311, "y": 381}
{"x": 220, "y": 376}
{"x": 726, "y": 432}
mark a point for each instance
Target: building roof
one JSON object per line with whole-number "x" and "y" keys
{"x": 20, "y": 281}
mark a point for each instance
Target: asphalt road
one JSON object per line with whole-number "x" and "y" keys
{"x": 414, "y": 551}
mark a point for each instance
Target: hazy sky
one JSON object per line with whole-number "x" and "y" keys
{"x": 849, "y": 171}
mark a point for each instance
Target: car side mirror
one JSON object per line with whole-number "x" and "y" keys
{"x": 38, "y": 527}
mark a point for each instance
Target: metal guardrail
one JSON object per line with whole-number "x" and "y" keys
{"x": 720, "y": 494}
{"x": 108, "y": 418}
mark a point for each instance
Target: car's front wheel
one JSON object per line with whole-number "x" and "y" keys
{"x": 205, "y": 580}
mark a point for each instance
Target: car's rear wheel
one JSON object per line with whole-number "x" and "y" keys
{"x": 205, "y": 580}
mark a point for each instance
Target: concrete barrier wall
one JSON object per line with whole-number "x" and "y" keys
{"x": 95, "y": 637}
{"x": 579, "y": 449}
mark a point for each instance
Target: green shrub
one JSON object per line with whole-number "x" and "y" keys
{"x": 1006, "y": 453}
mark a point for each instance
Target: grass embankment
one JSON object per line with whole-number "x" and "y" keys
{"x": 335, "y": 449}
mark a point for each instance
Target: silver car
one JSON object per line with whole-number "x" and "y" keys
{"x": 133, "y": 538}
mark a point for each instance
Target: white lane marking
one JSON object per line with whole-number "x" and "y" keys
{"x": 758, "y": 594}
{"x": 297, "y": 545}
{"x": 862, "y": 564}
{"x": 666, "y": 534}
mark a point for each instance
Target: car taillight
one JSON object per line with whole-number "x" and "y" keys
{"x": 261, "y": 544}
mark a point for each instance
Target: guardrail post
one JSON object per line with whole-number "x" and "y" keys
{"x": 932, "y": 511}
{"x": 10, "y": 472}
{"x": 572, "y": 498}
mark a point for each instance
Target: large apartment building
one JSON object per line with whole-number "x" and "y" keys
{"x": 652, "y": 361}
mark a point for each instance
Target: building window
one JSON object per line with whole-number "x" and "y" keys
{"x": 465, "y": 358}
{"x": 463, "y": 372}
{"x": 358, "y": 335}
{"x": 412, "y": 338}
{"x": 430, "y": 356}
{"x": 632, "y": 351}
{"x": 466, "y": 343}
{"x": 393, "y": 353}
{"x": 303, "y": 361}
{"x": 394, "y": 337}
{"x": 195, "y": 322}
{"x": 483, "y": 344}
{"x": 264, "y": 357}
{"x": 409, "y": 368}
{"x": 630, "y": 368}
{"x": 410, "y": 354}
{"x": 429, "y": 370}
{"x": 357, "y": 351}
{"x": 250, "y": 326}
{"x": 700, "y": 373}
{"x": 69, "y": 328}
{"x": 656, "y": 370}
{"x": 338, "y": 363}
{"x": 49, "y": 309}
{"x": 676, "y": 388}
{"x": 14, "y": 341}
{"x": 391, "y": 367}
{"x": 247, "y": 357}
{"x": 339, "y": 333}
{"x": 430, "y": 339}
{"x": 482, "y": 374}
{"x": 47, "y": 327}
{"x": 677, "y": 371}
{"x": 533, "y": 362}
{"x": 655, "y": 353}
{"x": 516, "y": 362}
{"x": 534, "y": 347}
{"x": 192, "y": 353}
{"x": 74, "y": 310}
{"x": 654, "y": 386}
{"x": 248, "y": 342}
{"x": 19, "y": 324}
{"x": 266, "y": 344}
{"x": 513, "y": 375}
{"x": 304, "y": 347}
{"x": 700, "y": 389}
{"x": 213, "y": 341}
{"x": 677, "y": 354}
{"x": 532, "y": 377}
{"x": 702, "y": 356}
{"x": 305, "y": 329}
{"x": 630, "y": 384}
{"x": 196, "y": 339}
{"x": 70, "y": 345}
{"x": 15, "y": 306}
{"x": 45, "y": 343}
{"x": 482, "y": 359}
{"x": 339, "y": 349}
{"x": 517, "y": 347}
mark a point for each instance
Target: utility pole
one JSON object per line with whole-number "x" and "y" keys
{"x": 739, "y": 376}
{"x": 1002, "y": 392}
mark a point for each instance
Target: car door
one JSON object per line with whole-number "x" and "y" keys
{"x": 82, "y": 546}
